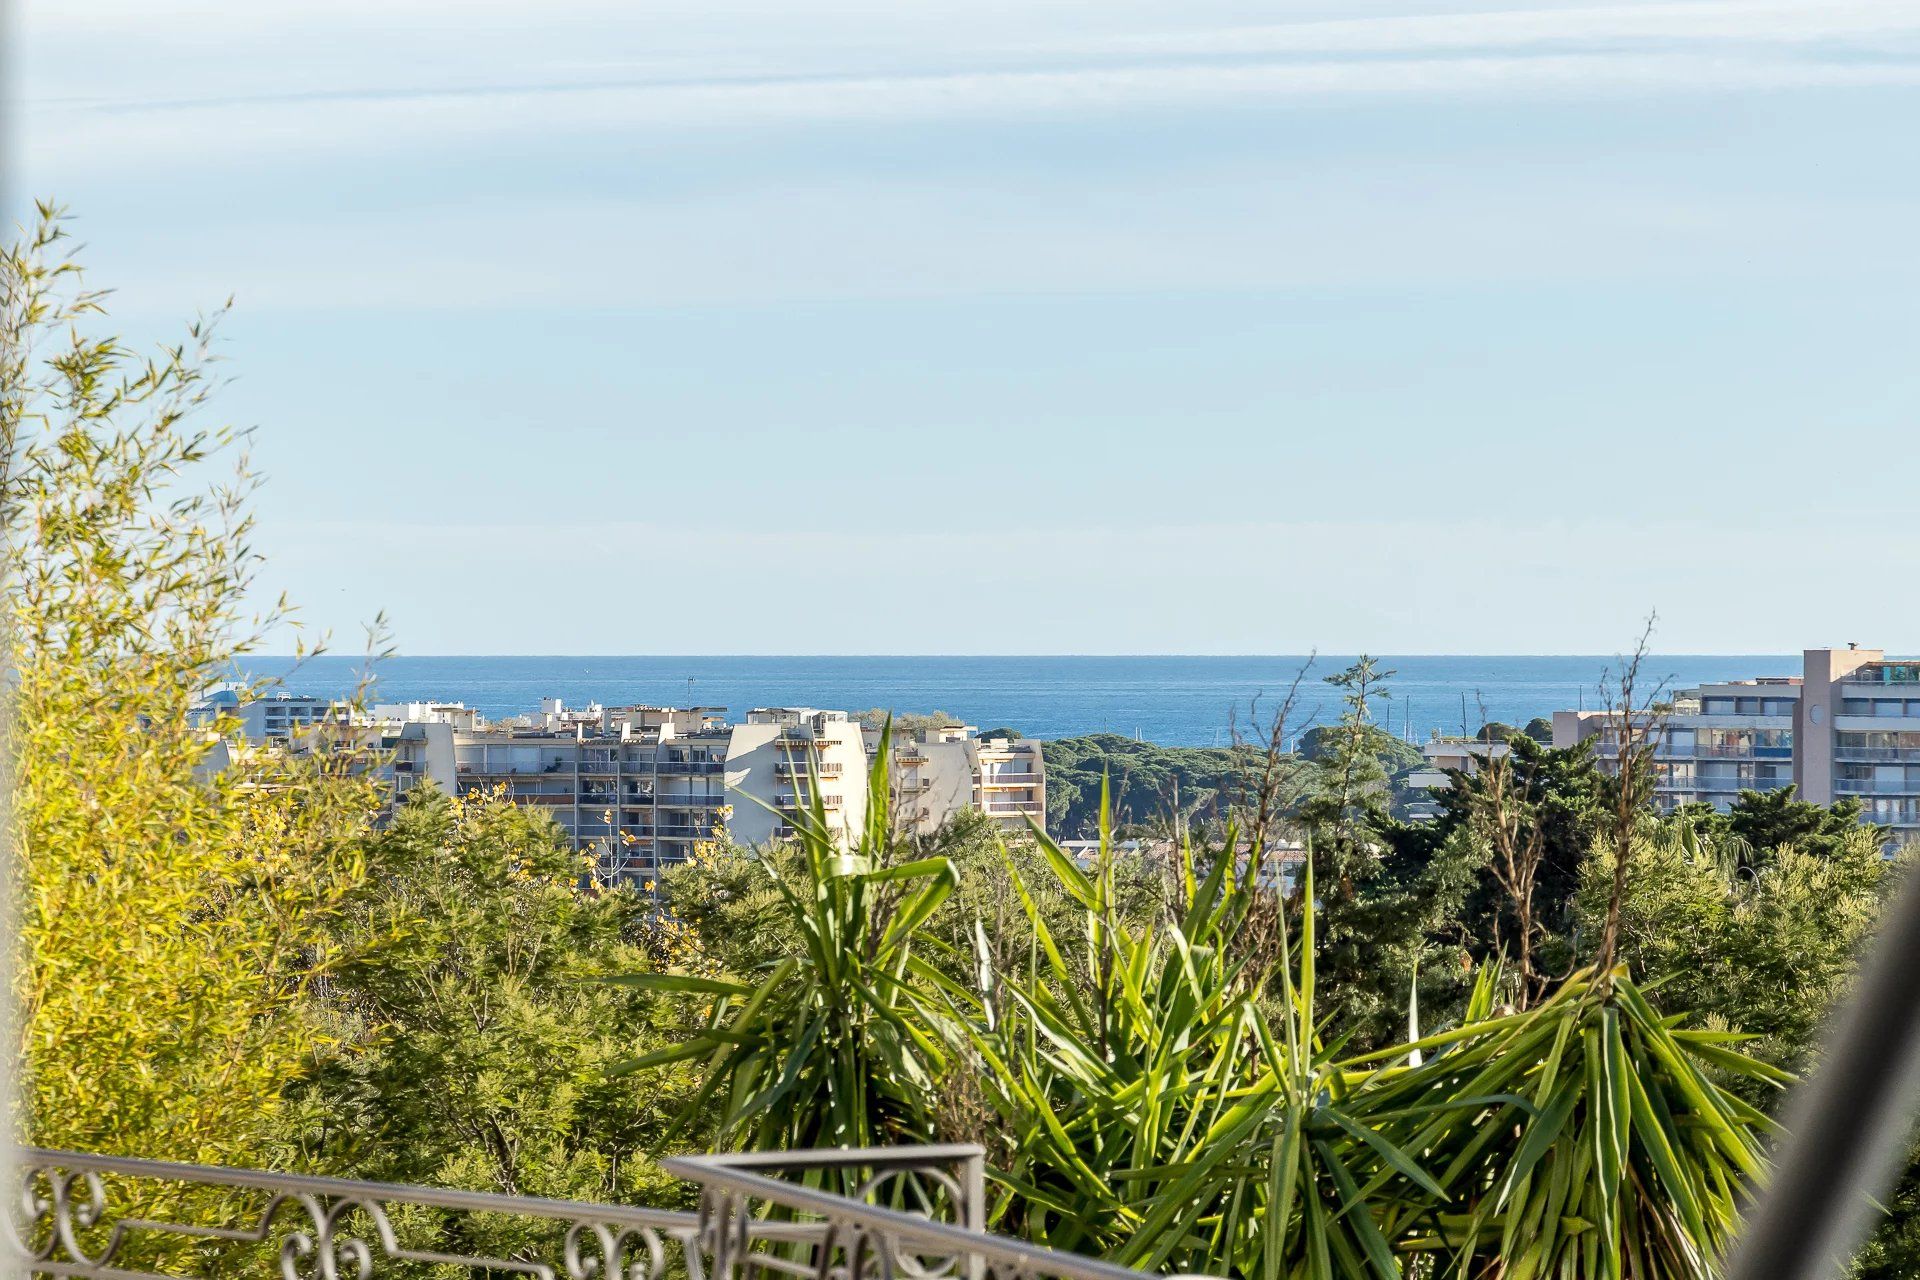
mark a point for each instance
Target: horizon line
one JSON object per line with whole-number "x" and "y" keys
{"x": 722, "y": 657}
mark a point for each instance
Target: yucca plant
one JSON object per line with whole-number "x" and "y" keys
{"x": 1169, "y": 1121}
{"x": 1154, "y": 1104}
{"x": 1165, "y": 1122}
{"x": 1601, "y": 1141}
{"x": 825, "y": 1049}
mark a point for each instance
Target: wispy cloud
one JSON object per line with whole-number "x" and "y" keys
{"x": 1714, "y": 46}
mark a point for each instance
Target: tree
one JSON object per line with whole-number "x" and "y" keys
{"x": 1153, "y": 789}
{"x": 1765, "y": 822}
{"x": 1553, "y": 797}
{"x": 471, "y": 1044}
{"x": 1769, "y": 950}
{"x": 169, "y": 895}
{"x": 1343, "y": 817}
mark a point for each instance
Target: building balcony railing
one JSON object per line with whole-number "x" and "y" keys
{"x": 97, "y": 1216}
{"x": 689, "y": 767}
{"x": 801, "y": 800}
{"x": 1011, "y": 779}
{"x": 1013, "y": 810}
{"x": 1885, "y": 754}
{"x": 798, "y": 769}
{"x": 1904, "y": 674}
{"x": 1874, "y": 787}
{"x": 1722, "y": 785}
{"x": 669, "y": 801}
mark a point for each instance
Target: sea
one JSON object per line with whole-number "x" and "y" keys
{"x": 1171, "y": 700}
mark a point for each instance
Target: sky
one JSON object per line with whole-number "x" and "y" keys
{"x": 965, "y": 326}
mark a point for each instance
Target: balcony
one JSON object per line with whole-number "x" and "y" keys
{"x": 689, "y": 768}
{"x": 689, "y": 802}
{"x": 798, "y": 769}
{"x": 1723, "y": 786}
{"x": 801, "y": 800}
{"x": 1894, "y": 755}
{"x": 99, "y": 1216}
{"x": 1028, "y": 779}
{"x": 1874, "y": 787}
{"x": 1014, "y": 809}
{"x": 1881, "y": 675}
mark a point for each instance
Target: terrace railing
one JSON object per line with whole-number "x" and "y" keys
{"x": 897, "y": 1213}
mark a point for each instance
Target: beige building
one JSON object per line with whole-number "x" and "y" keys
{"x": 940, "y": 771}
{"x": 1847, "y": 725}
{"x": 1446, "y": 756}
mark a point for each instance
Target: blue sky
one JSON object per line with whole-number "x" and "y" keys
{"x": 743, "y": 326}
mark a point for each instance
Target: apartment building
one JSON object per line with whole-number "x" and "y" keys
{"x": 641, "y": 786}
{"x": 276, "y": 717}
{"x": 940, "y": 771}
{"x": 1446, "y": 756}
{"x": 1847, "y": 725}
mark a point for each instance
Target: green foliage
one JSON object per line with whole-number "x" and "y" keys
{"x": 1764, "y": 821}
{"x": 1345, "y": 809}
{"x": 825, "y": 1047}
{"x": 1768, "y": 950}
{"x": 1587, "y": 1136}
{"x": 1145, "y": 782}
{"x": 1143, "y": 1099}
{"x": 471, "y": 1046}
{"x": 168, "y": 907}
{"x": 1447, "y": 863}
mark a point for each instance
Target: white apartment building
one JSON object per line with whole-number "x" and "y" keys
{"x": 1847, "y": 725}
{"x": 276, "y": 717}
{"x": 940, "y": 771}
{"x": 641, "y": 786}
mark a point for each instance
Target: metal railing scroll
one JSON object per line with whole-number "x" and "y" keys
{"x": 895, "y": 1213}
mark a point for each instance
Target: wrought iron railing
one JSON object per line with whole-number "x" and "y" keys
{"x": 898, "y": 1213}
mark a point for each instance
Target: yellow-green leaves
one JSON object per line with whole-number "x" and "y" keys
{"x": 169, "y": 912}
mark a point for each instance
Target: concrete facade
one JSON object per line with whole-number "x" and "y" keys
{"x": 642, "y": 786}
{"x": 941, "y": 771}
{"x": 1847, "y": 726}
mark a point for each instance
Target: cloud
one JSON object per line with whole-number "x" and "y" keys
{"x": 1718, "y": 46}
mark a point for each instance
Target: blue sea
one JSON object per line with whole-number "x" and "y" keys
{"x": 1176, "y": 701}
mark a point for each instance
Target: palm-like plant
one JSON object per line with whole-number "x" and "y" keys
{"x": 1166, "y": 1122}
{"x": 825, "y": 1049}
{"x": 1158, "y": 1107}
{"x": 1171, "y": 1120}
